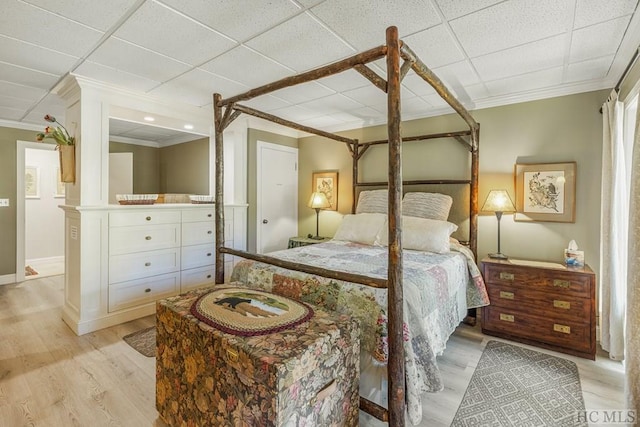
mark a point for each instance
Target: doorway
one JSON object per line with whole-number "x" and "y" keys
{"x": 277, "y": 196}
{"x": 39, "y": 220}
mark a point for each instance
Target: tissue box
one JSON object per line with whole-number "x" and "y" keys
{"x": 574, "y": 258}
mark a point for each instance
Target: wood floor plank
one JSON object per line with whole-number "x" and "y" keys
{"x": 51, "y": 377}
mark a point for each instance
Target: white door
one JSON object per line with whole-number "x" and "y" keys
{"x": 277, "y": 198}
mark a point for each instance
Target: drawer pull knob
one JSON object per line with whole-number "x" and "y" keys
{"x": 208, "y": 276}
{"x": 506, "y": 295}
{"x": 562, "y": 328}
{"x": 147, "y": 264}
{"x": 209, "y": 215}
{"x": 209, "y": 254}
{"x": 507, "y": 317}
{"x": 506, "y": 276}
{"x": 209, "y": 232}
{"x": 148, "y": 218}
{"x": 561, "y": 283}
{"x": 561, "y": 304}
{"x": 147, "y": 238}
{"x": 232, "y": 355}
{"x": 148, "y": 290}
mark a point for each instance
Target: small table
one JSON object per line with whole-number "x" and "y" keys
{"x": 295, "y": 242}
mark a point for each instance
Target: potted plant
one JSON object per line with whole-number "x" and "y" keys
{"x": 65, "y": 144}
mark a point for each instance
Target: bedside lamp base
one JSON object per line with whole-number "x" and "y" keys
{"x": 498, "y": 256}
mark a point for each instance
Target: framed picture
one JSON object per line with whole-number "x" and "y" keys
{"x": 545, "y": 192}
{"x": 326, "y": 182}
{"x": 31, "y": 182}
{"x": 60, "y": 186}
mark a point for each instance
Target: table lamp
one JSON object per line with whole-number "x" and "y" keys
{"x": 318, "y": 201}
{"x": 498, "y": 201}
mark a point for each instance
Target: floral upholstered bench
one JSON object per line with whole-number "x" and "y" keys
{"x": 224, "y": 359}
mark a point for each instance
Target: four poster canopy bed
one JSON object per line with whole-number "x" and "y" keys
{"x": 408, "y": 295}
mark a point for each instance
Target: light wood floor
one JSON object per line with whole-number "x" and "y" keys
{"x": 51, "y": 377}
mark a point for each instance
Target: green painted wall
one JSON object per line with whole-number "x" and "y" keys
{"x": 146, "y": 166}
{"x": 184, "y": 168}
{"x": 559, "y": 129}
{"x": 253, "y": 136}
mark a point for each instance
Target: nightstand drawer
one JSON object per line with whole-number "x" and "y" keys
{"x": 544, "y": 304}
{"x": 538, "y": 279}
{"x": 560, "y": 332}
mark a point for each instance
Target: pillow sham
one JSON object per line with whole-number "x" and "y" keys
{"x": 427, "y": 205}
{"x": 373, "y": 201}
{"x": 361, "y": 228}
{"x": 423, "y": 234}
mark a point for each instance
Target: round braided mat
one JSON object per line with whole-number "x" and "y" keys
{"x": 248, "y": 312}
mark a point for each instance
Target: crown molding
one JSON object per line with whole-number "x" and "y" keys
{"x": 20, "y": 125}
{"x": 134, "y": 141}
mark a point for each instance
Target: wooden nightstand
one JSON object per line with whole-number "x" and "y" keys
{"x": 298, "y": 241}
{"x": 543, "y": 304}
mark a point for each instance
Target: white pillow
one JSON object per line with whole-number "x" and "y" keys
{"x": 362, "y": 228}
{"x": 373, "y": 201}
{"x": 427, "y": 205}
{"x": 423, "y": 234}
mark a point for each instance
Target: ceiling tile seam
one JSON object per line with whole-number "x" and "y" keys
{"x": 30, "y": 69}
{"x": 38, "y": 46}
{"x": 458, "y": 44}
{"x": 477, "y": 10}
{"x": 104, "y": 38}
{"x": 117, "y": 70}
{"x": 571, "y": 18}
{"x": 624, "y": 35}
{"x": 66, "y": 18}
{"x": 619, "y": 63}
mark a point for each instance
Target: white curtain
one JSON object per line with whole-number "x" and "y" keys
{"x": 632, "y": 358}
{"x": 613, "y": 230}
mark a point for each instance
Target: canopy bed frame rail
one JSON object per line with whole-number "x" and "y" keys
{"x": 394, "y": 50}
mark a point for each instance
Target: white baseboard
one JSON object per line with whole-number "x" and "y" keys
{"x": 7, "y": 279}
{"x": 81, "y": 327}
{"x": 48, "y": 260}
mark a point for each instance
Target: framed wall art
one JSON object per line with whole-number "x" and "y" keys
{"x": 31, "y": 182}
{"x": 326, "y": 182}
{"x": 545, "y": 192}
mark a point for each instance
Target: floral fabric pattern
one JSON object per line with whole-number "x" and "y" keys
{"x": 431, "y": 284}
{"x": 304, "y": 376}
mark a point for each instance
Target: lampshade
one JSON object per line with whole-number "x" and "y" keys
{"x": 318, "y": 201}
{"x": 498, "y": 201}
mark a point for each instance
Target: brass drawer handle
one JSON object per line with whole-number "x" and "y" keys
{"x": 232, "y": 354}
{"x": 561, "y": 283}
{"x": 562, "y": 328}
{"x": 507, "y": 317}
{"x": 506, "y": 276}
{"x": 148, "y": 218}
{"x": 147, "y": 238}
{"x": 506, "y": 295}
{"x": 561, "y": 304}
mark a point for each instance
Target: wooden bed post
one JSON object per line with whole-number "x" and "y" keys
{"x": 395, "y": 365}
{"x": 217, "y": 120}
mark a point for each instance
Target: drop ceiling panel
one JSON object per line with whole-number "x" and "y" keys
{"x": 295, "y": 43}
{"x": 435, "y": 47}
{"x": 362, "y": 23}
{"x": 346, "y": 80}
{"x": 332, "y": 104}
{"x": 11, "y": 113}
{"x": 133, "y": 59}
{"x": 296, "y": 113}
{"x": 101, "y": 15}
{"x": 240, "y": 64}
{"x": 598, "y": 40}
{"x": 303, "y": 92}
{"x": 238, "y": 19}
{"x": 20, "y": 91}
{"x": 266, "y": 103}
{"x": 530, "y": 57}
{"x": 526, "y": 82}
{"x": 588, "y": 70}
{"x": 510, "y": 24}
{"x": 590, "y": 12}
{"x": 193, "y": 43}
{"x": 115, "y": 76}
{"x": 17, "y": 103}
{"x": 456, "y": 8}
{"x": 34, "y": 25}
{"x": 27, "y": 77}
{"x": 35, "y": 57}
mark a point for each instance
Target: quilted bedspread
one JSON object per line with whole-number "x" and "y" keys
{"x": 431, "y": 286}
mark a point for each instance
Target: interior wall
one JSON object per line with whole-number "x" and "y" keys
{"x": 44, "y": 220}
{"x": 8, "y": 184}
{"x": 184, "y": 168}
{"x": 253, "y": 136}
{"x": 559, "y": 129}
{"x": 146, "y": 166}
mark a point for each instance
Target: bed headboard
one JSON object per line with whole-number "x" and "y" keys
{"x": 460, "y": 209}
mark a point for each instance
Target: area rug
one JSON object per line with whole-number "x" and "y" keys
{"x": 144, "y": 341}
{"x": 514, "y": 386}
